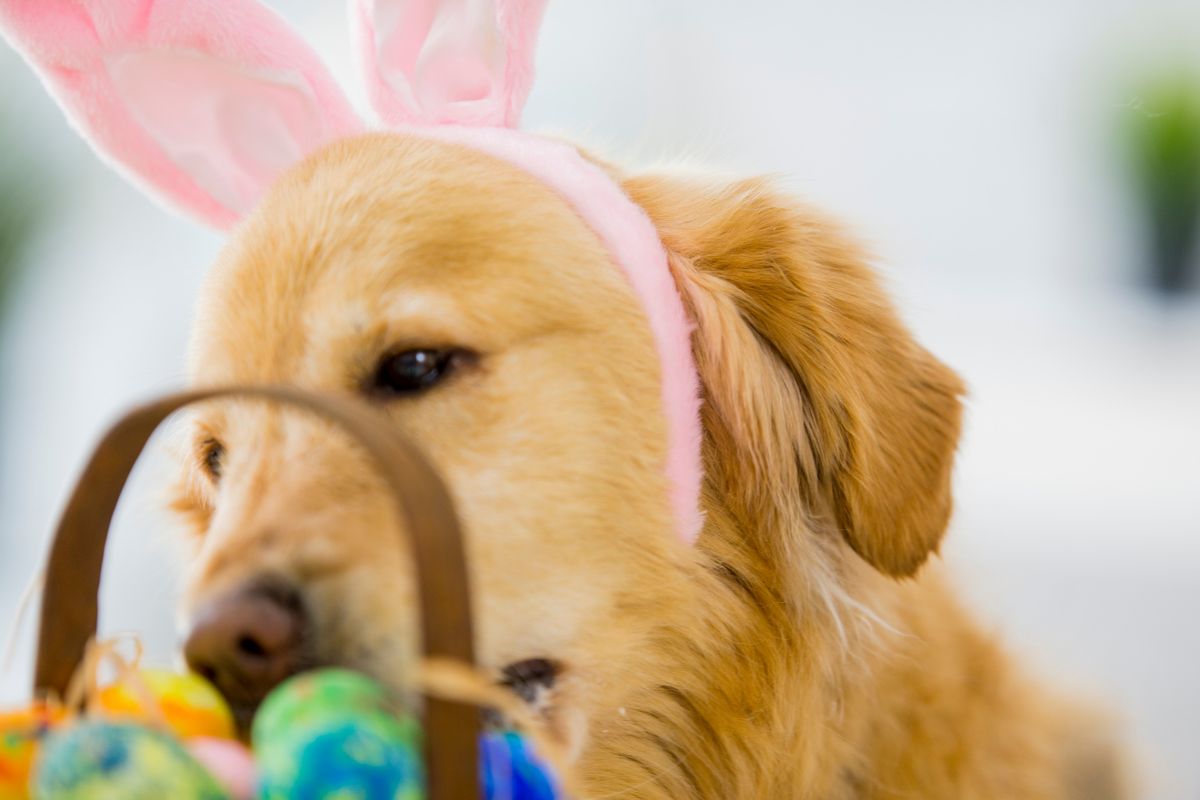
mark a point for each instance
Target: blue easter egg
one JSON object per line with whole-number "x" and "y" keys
{"x": 332, "y": 733}
{"x": 315, "y": 694}
{"x": 512, "y": 771}
{"x": 348, "y": 756}
{"x": 107, "y": 761}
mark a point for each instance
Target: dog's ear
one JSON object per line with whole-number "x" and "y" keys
{"x": 815, "y": 381}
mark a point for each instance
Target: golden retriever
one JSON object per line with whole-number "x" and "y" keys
{"x": 802, "y": 649}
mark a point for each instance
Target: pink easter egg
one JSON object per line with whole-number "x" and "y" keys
{"x": 229, "y": 762}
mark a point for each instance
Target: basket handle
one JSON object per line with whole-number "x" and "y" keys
{"x": 69, "y": 598}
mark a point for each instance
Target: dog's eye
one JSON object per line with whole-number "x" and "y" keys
{"x": 532, "y": 679}
{"x": 413, "y": 371}
{"x": 211, "y": 454}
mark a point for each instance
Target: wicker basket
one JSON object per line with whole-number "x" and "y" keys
{"x": 69, "y": 601}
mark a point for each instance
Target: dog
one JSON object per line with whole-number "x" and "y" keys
{"x": 799, "y": 650}
{"x": 804, "y": 646}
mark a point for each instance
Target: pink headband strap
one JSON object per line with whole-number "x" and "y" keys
{"x": 634, "y": 246}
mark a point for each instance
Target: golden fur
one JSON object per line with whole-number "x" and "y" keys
{"x": 800, "y": 650}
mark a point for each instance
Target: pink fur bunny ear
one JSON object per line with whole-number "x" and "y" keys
{"x": 203, "y": 101}
{"x": 447, "y": 61}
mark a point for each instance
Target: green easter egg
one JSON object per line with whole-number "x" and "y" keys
{"x": 316, "y": 694}
{"x": 342, "y": 756}
{"x": 101, "y": 760}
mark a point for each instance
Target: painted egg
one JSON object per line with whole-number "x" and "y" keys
{"x": 21, "y": 736}
{"x": 102, "y": 760}
{"x": 190, "y": 705}
{"x": 346, "y": 755}
{"x": 229, "y": 762}
{"x": 512, "y": 771}
{"x": 310, "y": 695}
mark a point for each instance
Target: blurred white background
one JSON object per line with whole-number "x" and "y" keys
{"x": 973, "y": 145}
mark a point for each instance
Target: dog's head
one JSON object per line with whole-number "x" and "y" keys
{"x": 468, "y": 301}
{"x": 475, "y": 307}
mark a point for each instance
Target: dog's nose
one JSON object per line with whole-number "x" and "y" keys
{"x": 247, "y": 642}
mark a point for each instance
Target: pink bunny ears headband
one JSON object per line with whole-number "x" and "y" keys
{"x": 206, "y": 102}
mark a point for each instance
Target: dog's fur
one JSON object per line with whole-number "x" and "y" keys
{"x": 800, "y": 650}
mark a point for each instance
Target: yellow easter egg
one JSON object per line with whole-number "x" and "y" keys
{"x": 189, "y": 705}
{"x": 105, "y": 760}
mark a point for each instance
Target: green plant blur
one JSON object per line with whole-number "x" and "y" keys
{"x": 1164, "y": 134}
{"x": 20, "y": 206}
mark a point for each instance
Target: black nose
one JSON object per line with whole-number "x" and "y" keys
{"x": 247, "y": 642}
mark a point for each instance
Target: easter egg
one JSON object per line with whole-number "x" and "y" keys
{"x": 190, "y": 705}
{"x": 229, "y": 762}
{"x": 512, "y": 771}
{"x": 102, "y": 760}
{"x": 315, "y": 694}
{"x": 21, "y": 736}
{"x": 365, "y": 756}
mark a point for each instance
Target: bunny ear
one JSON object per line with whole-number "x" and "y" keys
{"x": 447, "y": 61}
{"x": 204, "y": 101}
